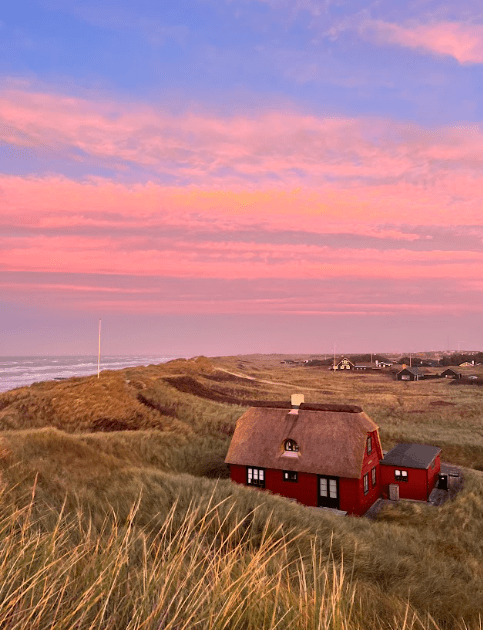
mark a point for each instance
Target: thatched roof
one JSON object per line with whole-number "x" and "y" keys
{"x": 331, "y": 442}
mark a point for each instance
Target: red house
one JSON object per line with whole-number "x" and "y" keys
{"x": 413, "y": 467}
{"x": 319, "y": 455}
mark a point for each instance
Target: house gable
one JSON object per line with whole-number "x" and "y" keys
{"x": 344, "y": 364}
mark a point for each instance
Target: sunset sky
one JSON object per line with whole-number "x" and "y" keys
{"x": 235, "y": 176}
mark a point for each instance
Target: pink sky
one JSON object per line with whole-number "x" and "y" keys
{"x": 359, "y": 221}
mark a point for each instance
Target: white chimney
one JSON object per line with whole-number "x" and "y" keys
{"x": 297, "y": 400}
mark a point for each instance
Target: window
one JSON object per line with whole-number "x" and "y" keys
{"x": 373, "y": 475}
{"x": 400, "y": 475}
{"x": 369, "y": 445}
{"x": 332, "y": 488}
{"x": 291, "y": 446}
{"x": 256, "y": 477}
{"x": 366, "y": 483}
{"x": 290, "y": 475}
{"x": 328, "y": 488}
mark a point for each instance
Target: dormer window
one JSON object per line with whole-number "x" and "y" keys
{"x": 290, "y": 446}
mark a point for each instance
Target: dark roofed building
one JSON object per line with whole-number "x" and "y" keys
{"x": 319, "y": 455}
{"x": 413, "y": 467}
{"x": 450, "y": 373}
{"x": 409, "y": 374}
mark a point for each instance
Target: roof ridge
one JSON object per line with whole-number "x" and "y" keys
{"x": 272, "y": 404}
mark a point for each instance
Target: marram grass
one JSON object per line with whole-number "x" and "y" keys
{"x": 109, "y": 518}
{"x": 193, "y": 575}
{"x": 196, "y": 573}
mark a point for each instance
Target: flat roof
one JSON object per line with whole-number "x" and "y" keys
{"x": 411, "y": 455}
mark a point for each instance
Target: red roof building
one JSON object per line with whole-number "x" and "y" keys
{"x": 326, "y": 456}
{"x": 319, "y": 455}
{"x": 413, "y": 467}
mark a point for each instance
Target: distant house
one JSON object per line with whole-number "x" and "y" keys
{"x": 358, "y": 367}
{"x": 409, "y": 374}
{"x": 450, "y": 373}
{"x": 467, "y": 364}
{"x": 375, "y": 365}
{"x": 344, "y": 364}
{"x": 413, "y": 467}
{"x": 326, "y": 456}
{"x": 319, "y": 455}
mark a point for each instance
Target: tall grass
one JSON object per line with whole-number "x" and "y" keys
{"x": 431, "y": 557}
{"x": 124, "y": 529}
{"x": 196, "y": 573}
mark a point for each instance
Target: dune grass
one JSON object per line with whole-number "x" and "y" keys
{"x": 115, "y": 513}
{"x": 424, "y": 560}
{"x": 190, "y": 574}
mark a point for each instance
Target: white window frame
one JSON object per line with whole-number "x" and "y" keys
{"x": 400, "y": 475}
{"x": 332, "y": 488}
{"x": 369, "y": 445}
{"x": 290, "y": 473}
{"x": 255, "y": 476}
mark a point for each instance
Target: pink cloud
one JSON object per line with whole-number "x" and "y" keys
{"x": 56, "y": 202}
{"x": 154, "y": 300}
{"x": 228, "y": 260}
{"x": 274, "y": 149}
{"x": 462, "y": 41}
{"x": 276, "y": 173}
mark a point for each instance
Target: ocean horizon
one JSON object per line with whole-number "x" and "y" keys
{"x": 19, "y": 371}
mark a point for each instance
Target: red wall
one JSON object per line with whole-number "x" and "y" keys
{"x": 348, "y": 495}
{"x": 416, "y": 487}
{"x": 305, "y": 490}
{"x": 369, "y": 461}
{"x": 351, "y": 491}
{"x": 238, "y": 473}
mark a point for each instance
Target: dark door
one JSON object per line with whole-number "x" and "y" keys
{"x": 329, "y": 492}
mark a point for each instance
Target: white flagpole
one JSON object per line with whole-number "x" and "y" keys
{"x": 99, "y": 355}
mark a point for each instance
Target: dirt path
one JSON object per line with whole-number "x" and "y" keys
{"x": 259, "y": 380}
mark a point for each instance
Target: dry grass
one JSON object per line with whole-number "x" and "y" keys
{"x": 410, "y": 554}
{"x": 190, "y": 574}
{"x": 129, "y": 529}
{"x": 204, "y": 566}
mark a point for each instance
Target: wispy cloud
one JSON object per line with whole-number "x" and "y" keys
{"x": 271, "y": 148}
{"x": 461, "y": 40}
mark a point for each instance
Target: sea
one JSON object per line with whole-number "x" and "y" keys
{"x": 20, "y": 371}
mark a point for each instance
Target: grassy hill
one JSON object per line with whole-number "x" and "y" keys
{"x": 116, "y": 511}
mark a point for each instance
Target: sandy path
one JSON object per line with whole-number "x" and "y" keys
{"x": 259, "y": 380}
